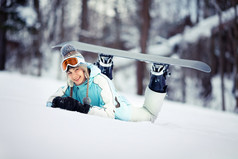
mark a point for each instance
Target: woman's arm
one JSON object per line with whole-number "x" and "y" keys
{"x": 108, "y": 110}
{"x": 60, "y": 92}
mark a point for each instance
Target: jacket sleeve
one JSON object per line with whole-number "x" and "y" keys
{"x": 108, "y": 110}
{"x": 60, "y": 92}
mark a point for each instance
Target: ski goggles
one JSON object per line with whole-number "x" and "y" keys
{"x": 71, "y": 61}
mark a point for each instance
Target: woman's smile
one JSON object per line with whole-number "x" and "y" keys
{"x": 77, "y": 79}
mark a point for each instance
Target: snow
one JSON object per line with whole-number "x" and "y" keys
{"x": 29, "y": 129}
{"x": 28, "y": 14}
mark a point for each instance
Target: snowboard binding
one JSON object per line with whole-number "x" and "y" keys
{"x": 159, "y": 72}
{"x": 105, "y": 64}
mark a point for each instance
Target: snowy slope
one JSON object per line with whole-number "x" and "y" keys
{"x": 29, "y": 130}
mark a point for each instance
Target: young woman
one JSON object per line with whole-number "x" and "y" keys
{"x": 89, "y": 89}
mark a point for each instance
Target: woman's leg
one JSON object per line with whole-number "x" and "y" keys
{"x": 151, "y": 107}
{"x": 154, "y": 95}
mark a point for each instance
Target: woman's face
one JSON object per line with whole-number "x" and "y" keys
{"x": 76, "y": 75}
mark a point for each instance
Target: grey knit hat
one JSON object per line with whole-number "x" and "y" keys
{"x": 69, "y": 50}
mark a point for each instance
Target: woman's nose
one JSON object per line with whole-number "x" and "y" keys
{"x": 74, "y": 75}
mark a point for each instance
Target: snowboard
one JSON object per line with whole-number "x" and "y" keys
{"x": 151, "y": 58}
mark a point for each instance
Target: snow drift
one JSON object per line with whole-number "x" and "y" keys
{"x": 29, "y": 129}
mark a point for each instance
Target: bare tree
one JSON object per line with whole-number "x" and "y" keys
{"x": 84, "y": 20}
{"x": 10, "y": 22}
{"x": 3, "y": 18}
{"x": 145, "y": 26}
{"x": 222, "y": 53}
{"x": 38, "y": 36}
{"x": 118, "y": 24}
{"x": 198, "y": 11}
{"x": 235, "y": 49}
{"x": 56, "y": 4}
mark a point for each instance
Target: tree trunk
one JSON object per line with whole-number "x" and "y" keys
{"x": 3, "y": 18}
{"x": 222, "y": 58}
{"x": 183, "y": 84}
{"x": 54, "y": 12}
{"x": 62, "y": 31}
{"x": 213, "y": 61}
{"x": 235, "y": 44}
{"x": 38, "y": 37}
{"x": 84, "y": 20}
{"x": 117, "y": 21}
{"x": 222, "y": 52}
{"x": 236, "y": 71}
{"x": 198, "y": 11}
{"x": 2, "y": 49}
{"x": 145, "y": 26}
{"x": 206, "y": 9}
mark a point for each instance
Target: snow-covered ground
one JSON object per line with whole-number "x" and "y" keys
{"x": 30, "y": 130}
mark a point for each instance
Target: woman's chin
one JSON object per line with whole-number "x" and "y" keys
{"x": 79, "y": 82}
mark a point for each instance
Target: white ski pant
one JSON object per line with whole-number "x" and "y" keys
{"x": 151, "y": 107}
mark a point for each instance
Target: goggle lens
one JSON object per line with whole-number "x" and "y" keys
{"x": 73, "y": 61}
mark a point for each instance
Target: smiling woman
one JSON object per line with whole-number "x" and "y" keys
{"x": 90, "y": 90}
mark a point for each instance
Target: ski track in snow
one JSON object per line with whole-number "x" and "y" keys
{"x": 29, "y": 129}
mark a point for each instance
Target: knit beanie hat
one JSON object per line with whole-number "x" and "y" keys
{"x": 69, "y": 50}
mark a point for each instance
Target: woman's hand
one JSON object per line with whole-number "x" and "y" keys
{"x": 71, "y": 104}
